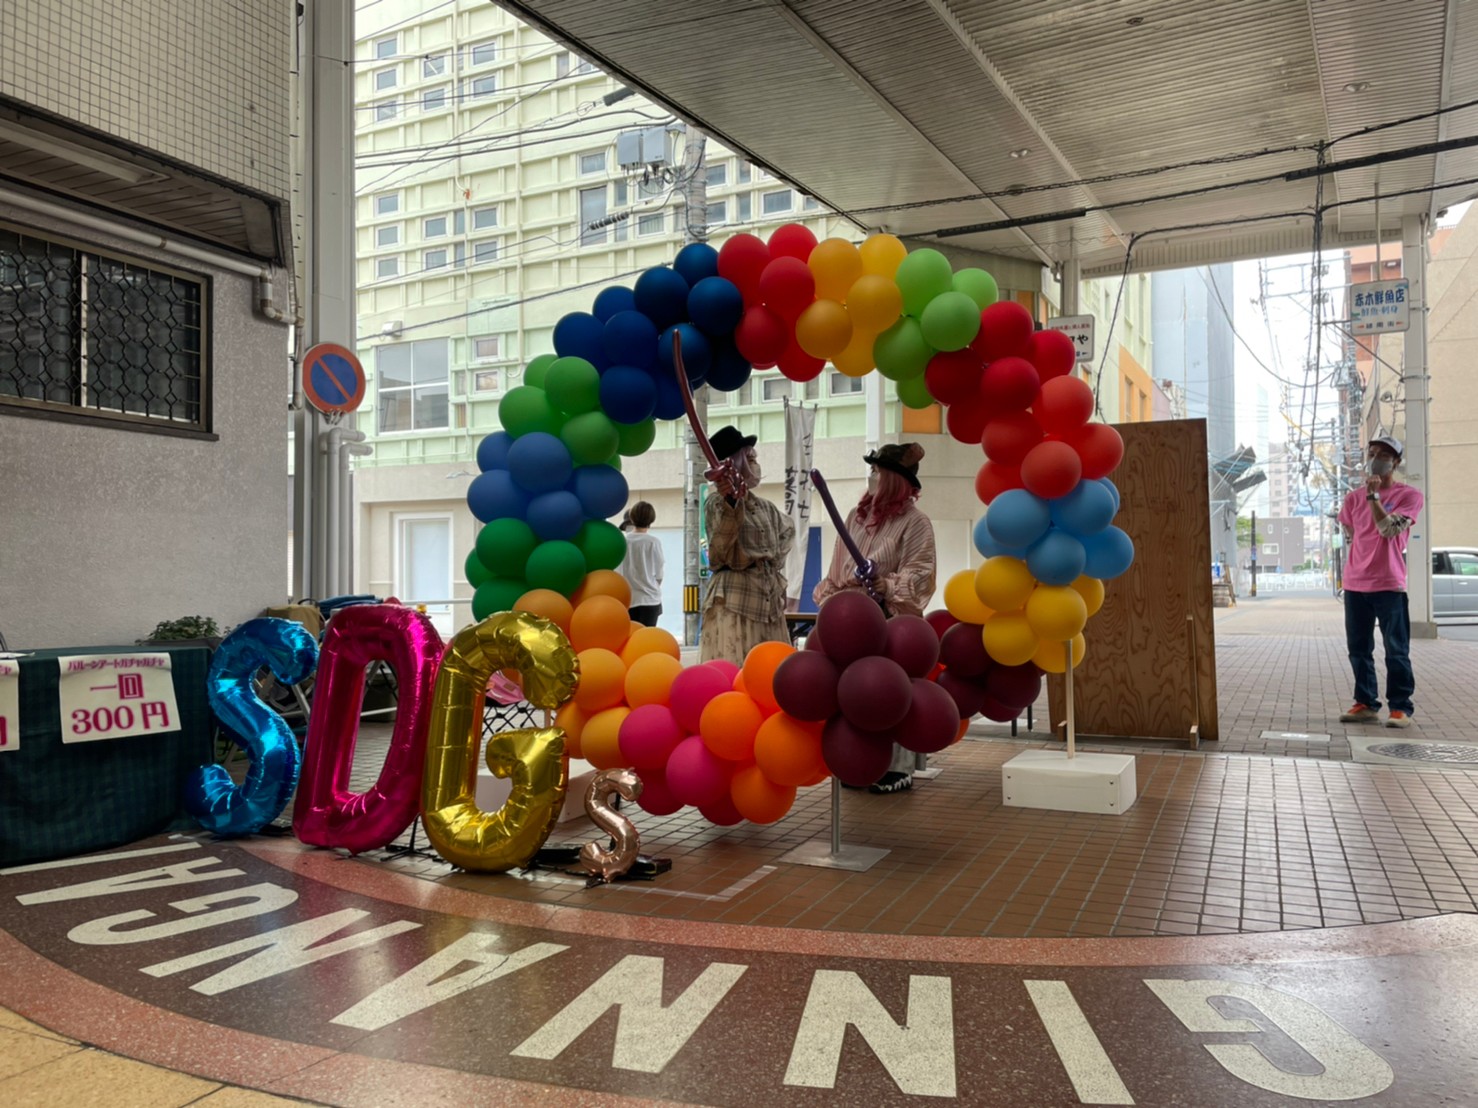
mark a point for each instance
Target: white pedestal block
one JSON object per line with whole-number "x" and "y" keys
{"x": 492, "y": 791}
{"x": 1102, "y": 783}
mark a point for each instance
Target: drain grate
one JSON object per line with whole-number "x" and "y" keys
{"x": 1426, "y": 752}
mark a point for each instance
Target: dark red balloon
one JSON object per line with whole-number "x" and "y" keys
{"x": 962, "y": 651}
{"x": 1051, "y": 469}
{"x": 874, "y": 693}
{"x": 796, "y": 364}
{"x": 722, "y": 812}
{"x": 932, "y": 719}
{"x": 912, "y": 643}
{"x": 991, "y": 708}
{"x": 794, "y": 240}
{"x": 787, "y": 287}
{"x": 994, "y": 479}
{"x": 852, "y": 626}
{"x": 954, "y": 375}
{"x": 940, "y": 620}
{"x": 813, "y": 641}
{"x": 1100, "y": 447}
{"x": 1005, "y": 331}
{"x": 1063, "y": 405}
{"x": 1053, "y": 353}
{"x": 1009, "y": 436}
{"x": 966, "y": 419}
{"x": 1014, "y": 686}
{"x": 806, "y": 685}
{"x": 964, "y": 691}
{"x": 1010, "y": 384}
{"x": 761, "y": 336}
{"x": 856, "y": 757}
{"x": 741, "y": 260}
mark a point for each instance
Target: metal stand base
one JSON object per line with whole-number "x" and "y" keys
{"x": 818, "y": 852}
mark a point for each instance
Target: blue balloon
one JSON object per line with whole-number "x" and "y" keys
{"x": 1113, "y": 488}
{"x": 662, "y": 296}
{"x": 495, "y": 495}
{"x": 539, "y": 462}
{"x": 1110, "y": 553}
{"x": 696, "y": 261}
{"x": 617, "y": 298}
{"x": 1017, "y": 518}
{"x": 1056, "y": 558}
{"x": 697, "y": 355}
{"x": 581, "y": 335}
{"x": 492, "y": 452}
{"x": 556, "y": 515}
{"x": 988, "y": 546}
{"x": 631, "y": 339}
{"x": 669, "y": 398}
{"x": 1087, "y": 509}
{"x": 628, "y": 394}
{"x": 728, "y": 369}
{"x": 212, "y": 797}
{"x": 601, "y": 490}
{"x": 716, "y": 305}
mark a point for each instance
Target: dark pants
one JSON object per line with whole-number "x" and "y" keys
{"x": 1362, "y": 611}
{"x": 646, "y": 614}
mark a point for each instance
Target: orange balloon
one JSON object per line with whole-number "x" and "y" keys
{"x": 788, "y": 750}
{"x": 572, "y": 718}
{"x": 759, "y": 672}
{"x": 739, "y": 685}
{"x": 816, "y": 780}
{"x": 728, "y": 725}
{"x": 600, "y": 621}
{"x": 635, "y": 627}
{"x": 549, "y": 604}
{"x": 649, "y": 679}
{"x": 757, "y": 798}
{"x": 650, "y": 640}
{"x": 1051, "y": 657}
{"x": 960, "y": 734}
{"x": 599, "y": 741}
{"x": 602, "y": 680}
{"x": 603, "y": 582}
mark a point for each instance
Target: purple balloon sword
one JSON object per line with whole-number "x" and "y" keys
{"x": 866, "y": 571}
{"x": 720, "y": 471}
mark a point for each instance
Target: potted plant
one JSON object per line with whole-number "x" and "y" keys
{"x": 188, "y": 631}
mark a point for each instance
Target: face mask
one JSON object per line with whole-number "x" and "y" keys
{"x": 1379, "y": 467}
{"x": 872, "y": 481}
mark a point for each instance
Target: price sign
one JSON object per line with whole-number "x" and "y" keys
{"x": 112, "y": 696}
{"x": 1079, "y": 328}
{"x": 10, "y": 705}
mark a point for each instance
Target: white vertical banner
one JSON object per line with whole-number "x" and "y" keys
{"x": 800, "y": 441}
{"x": 10, "y": 704}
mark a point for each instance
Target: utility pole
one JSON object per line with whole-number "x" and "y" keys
{"x": 1253, "y": 590}
{"x": 695, "y": 219}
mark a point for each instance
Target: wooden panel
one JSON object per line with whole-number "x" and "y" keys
{"x": 1139, "y": 673}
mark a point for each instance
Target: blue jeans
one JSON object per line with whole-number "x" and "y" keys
{"x": 1362, "y": 611}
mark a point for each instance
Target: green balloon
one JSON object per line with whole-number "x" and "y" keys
{"x": 496, "y": 595}
{"x": 901, "y": 351}
{"x": 922, "y": 276}
{"x": 614, "y": 461}
{"x": 951, "y": 321}
{"x": 573, "y": 385}
{"x": 504, "y": 546}
{"x": 556, "y": 565}
{"x": 602, "y": 543}
{"x": 635, "y": 439}
{"x": 978, "y": 285}
{"x": 476, "y": 573}
{"x": 527, "y": 408}
{"x": 914, "y": 393}
{"x": 537, "y": 370}
{"x": 591, "y": 438}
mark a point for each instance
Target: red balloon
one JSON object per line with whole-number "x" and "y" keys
{"x": 1010, "y": 384}
{"x": 940, "y": 620}
{"x": 994, "y": 479}
{"x": 874, "y": 693}
{"x": 1100, "y": 447}
{"x": 794, "y": 240}
{"x": 805, "y": 685}
{"x": 1051, "y": 469}
{"x": 721, "y": 812}
{"x": 797, "y": 365}
{"x": 741, "y": 260}
{"x": 932, "y": 719}
{"x": 656, "y": 797}
{"x": 853, "y": 626}
{"x": 953, "y": 376}
{"x": 761, "y": 336}
{"x": 1063, "y": 405}
{"x": 966, "y": 420}
{"x": 962, "y": 651}
{"x": 787, "y": 286}
{"x": 1053, "y": 353}
{"x": 1014, "y": 686}
{"x": 1005, "y": 330}
{"x": 913, "y": 644}
{"x": 1008, "y": 437}
{"x": 856, "y": 757}
{"x": 964, "y": 691}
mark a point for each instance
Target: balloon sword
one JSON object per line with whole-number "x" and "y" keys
{"x": 866, "y": 572}
{"x": 720, "y": 471}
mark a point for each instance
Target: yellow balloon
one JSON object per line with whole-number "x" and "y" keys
{"x": 874, "y": 303}
{"x": 1091, "y": 590}
{"x": 1056, "y": 612}
{"x": 534, "y": 758}
{"x": 1009, "y": 638}
{"x": 1052, "y": 658}
{"x": 857, "y": 359}
{"x": 882, "y": 254}
{"x": 835, "y": 263}
{"x": 961, "y": 600}
{"x": 1004, "y": 583}
{"x": 824, "y": 329}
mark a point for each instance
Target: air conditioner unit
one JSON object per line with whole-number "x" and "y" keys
{"x": 390, "y": 329}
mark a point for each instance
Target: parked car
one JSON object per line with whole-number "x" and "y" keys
{"x": 1455, "y": 581}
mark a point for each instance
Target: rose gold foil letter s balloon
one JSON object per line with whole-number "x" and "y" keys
{"x": 594, "y": 858}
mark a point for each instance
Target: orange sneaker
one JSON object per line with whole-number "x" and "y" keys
{"x": 1359, "y": 713}
{"x": 1398, "y": 719}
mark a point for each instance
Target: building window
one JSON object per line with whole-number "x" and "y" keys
{"x": 485, "y": 251}
{"x": 779, "y": 201}
{"x": 387, "y": 203}
{"x": 839, "y": 384}
{"x": 592, "y": 215}
{"x": 434, "y": 259}
{"x": 82, "y": 331}
{"x": 718, "y": 175}
{"x": 743, "y": 172}
{"x": 434, "y": 227}
{"x": 593, "y": 163}
{"x": 412, "y": 388}
{"x": 385, "y": 109}
{"x": 433, "y": 66}
{"x": 746, "y": 211}
{"x": 810, "y": 203}
{"x": 483, "y": 218}
{"x": 486, "y": 348}
{"x": 485, "y": 53}
{"x": 650, "y": 224}
{"x": 487, "y": 380}
{"x": 433, "y": 100}
{"x": 774, "y": 388}
{"x": 484, "y": 86}
{"x": 387, "y": 267}
{"x": 388, "y": 235}
{"x": 384, "y": 78}
{"x": 386, "y": 47}
{"x": 1267, "y": 547}
{"x": 567, "y": 64}
{"x": 459, "y": 222}
{"x": 459, "y": 255}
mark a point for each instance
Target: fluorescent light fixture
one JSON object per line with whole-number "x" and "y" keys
{"x": 77, "y": 155}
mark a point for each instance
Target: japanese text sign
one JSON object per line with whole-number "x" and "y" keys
{"x": 112, "y": 696}
{"x": 10, "y": 705}
{"x": 1380, "y": 306}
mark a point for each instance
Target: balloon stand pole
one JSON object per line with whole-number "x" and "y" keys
{"x": 832, "y": 853}
{"x": 923, "y": 770}
{"x": 1067, "y": 696}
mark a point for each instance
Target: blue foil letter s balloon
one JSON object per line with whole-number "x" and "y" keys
{"x": 217, "y": 802}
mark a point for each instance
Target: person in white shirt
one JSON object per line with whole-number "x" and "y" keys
{"x": 643, "y": 565}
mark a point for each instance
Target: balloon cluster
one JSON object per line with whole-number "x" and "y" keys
{"x": 865, "y": 679}
{"x": 976, "y": 681}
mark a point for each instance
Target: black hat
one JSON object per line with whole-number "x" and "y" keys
{"x": 727, "y": 441}
{"x": 901, "y": 458}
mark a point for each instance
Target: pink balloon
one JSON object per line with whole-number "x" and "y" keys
{"x": 692, "y": 689}
{"x": 913, "y": 644}
{"x": 856, "y": 757}
{"x": 325, "y": 812}
{"x": 726, "y": 667}
{"x": 874, "y": 693}
{"x": 806, "y": 685}
{"x": 695, "y": 775}
{"x": 932, "y": 719}
{"x": 649, "y": 735}
{"x": 656, "y": 795}
{"x": 852, "y": 625}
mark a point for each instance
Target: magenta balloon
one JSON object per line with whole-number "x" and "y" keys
{"x": 853, "y": 626}
{"x": 932, "y": 719}
{"x": 964, "y": 691}
{"x": 648, "y": 736}
{"x": 913, "y": 644}
{"x": 962, "y": 651}
{"x": 991, "y": 708}
{"x": 726, "y": 667}
{"x": 695, "y": 775}
{"x": 874, "y": 693}
{"x": 940, "y": 620}
{"x": 692, "y": 689}
{"x": 656, "y": 796}
{"x": 856, "y": 757}
{"x": 326, "y": 812}
{"x": 1014, "y": 686}
{"x": 721, "y": 812}
{"x": 806, "y": 685}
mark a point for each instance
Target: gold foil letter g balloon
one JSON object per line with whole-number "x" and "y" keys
{"x": 533, "y": 758}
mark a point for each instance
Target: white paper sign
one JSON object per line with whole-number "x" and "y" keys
{"x": 10, "y": 705}
{"x": 1378, "y": 306}
{"x": 112, "y": 696}
{"x": 1079, "y": 328}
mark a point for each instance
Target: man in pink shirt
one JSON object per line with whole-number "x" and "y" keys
{"x": 1375, "y": 519}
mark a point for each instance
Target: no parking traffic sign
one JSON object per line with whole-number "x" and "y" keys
{"x": 333, "y": 379}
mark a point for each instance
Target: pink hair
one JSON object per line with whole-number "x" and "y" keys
{"x": 892, "y": 499}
